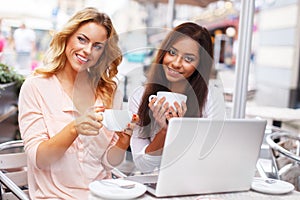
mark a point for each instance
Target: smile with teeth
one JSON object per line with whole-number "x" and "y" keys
{"x": 82, "y": 58}
{"x": 172, "y": 71}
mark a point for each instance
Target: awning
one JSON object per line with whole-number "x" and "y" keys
{"x": 36, "y": 15}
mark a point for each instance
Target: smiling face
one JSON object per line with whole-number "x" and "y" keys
{"x": 85, "y": 46}
{"x": 181, "y": 60}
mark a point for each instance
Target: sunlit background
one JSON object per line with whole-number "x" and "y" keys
{"x": 274, "y": 67}
{"x": 272, "y": 91}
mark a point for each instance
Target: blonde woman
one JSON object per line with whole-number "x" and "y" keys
{"x": 66, "y": 143}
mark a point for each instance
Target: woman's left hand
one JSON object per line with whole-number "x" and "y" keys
{"x": 117, "y": 152}
{"x": 178, "y": 112}
{"x": 124, "y": 136}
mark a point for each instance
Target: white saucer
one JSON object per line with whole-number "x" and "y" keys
{"x": 271, "y": 186}
{"x": 111, "y": 191}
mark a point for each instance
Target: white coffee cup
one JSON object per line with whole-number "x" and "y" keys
{"x": 171, "y": 97}
{"x": 116, "y": 120}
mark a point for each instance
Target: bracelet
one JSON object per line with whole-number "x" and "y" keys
{"x": 128, "y": 131}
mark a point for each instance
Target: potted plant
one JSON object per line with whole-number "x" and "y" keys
{"x": 9, "y": 77}
{"x": 10, "y": 84}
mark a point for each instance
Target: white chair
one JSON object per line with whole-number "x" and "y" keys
{"x": 13, "y": 171}
{"x": 285, "y": 147}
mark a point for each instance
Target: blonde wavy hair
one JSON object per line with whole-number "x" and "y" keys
{"x": 105, "y": 70}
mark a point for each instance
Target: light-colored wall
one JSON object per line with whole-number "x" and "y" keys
{"x": 277, "y": 53}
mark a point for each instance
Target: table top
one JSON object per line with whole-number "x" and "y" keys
{"x": 275, "y": 113}
{"x": 250, "y": 195}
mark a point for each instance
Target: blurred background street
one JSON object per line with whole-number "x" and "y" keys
{"x": 273, "y": 79}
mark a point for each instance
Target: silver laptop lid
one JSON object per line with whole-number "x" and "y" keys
{"x": 209, "y": 156}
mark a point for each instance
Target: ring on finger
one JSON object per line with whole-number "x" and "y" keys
{"x": 99, "y": 117}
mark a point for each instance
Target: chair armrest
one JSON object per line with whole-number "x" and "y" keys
{"x": 13, "y": 187}
{"x": 277, "y": 135}
{"x": 11, "y": 144}
{"x": 12, "y": 109}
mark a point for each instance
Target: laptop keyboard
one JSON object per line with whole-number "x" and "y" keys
{"x": 144, "y": 179}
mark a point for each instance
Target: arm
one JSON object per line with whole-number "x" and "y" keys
{"x": 155, "y": 147}
{"x": 48, "y": 133}
{"x": 159, "y": 111}
{"x": 116, "y": 153}
{"x": 143, "y": 161}
{"x": 51, "y": 150}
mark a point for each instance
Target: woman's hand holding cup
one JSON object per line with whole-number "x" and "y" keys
{"x": 179, "y": 110}
{"x": 124, "y": 136}
{"x": 128, "y": 130}
{"x": 90, "y": 122}
{"x": 159, "y": 109}
{"x": 166, "y": 105}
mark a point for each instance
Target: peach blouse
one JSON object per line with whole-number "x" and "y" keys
{"x": 44, "y": 109}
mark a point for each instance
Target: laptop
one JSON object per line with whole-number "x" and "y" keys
{"x": 203, "y": 156}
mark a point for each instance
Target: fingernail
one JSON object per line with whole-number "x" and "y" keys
{"x": 134, "y": 116}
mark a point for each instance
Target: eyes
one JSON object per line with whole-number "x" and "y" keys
{"x": 187, "y": 57}
{"x": 83, "y": 40}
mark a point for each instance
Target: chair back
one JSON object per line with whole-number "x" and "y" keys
{"x": 13, "y": 170}
{"x": 285, "y": 149}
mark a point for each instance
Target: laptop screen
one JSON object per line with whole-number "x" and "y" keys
{"x": 209, "y": 156}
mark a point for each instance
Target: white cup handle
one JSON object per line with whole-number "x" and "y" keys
{"x": 151, "y": 97}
